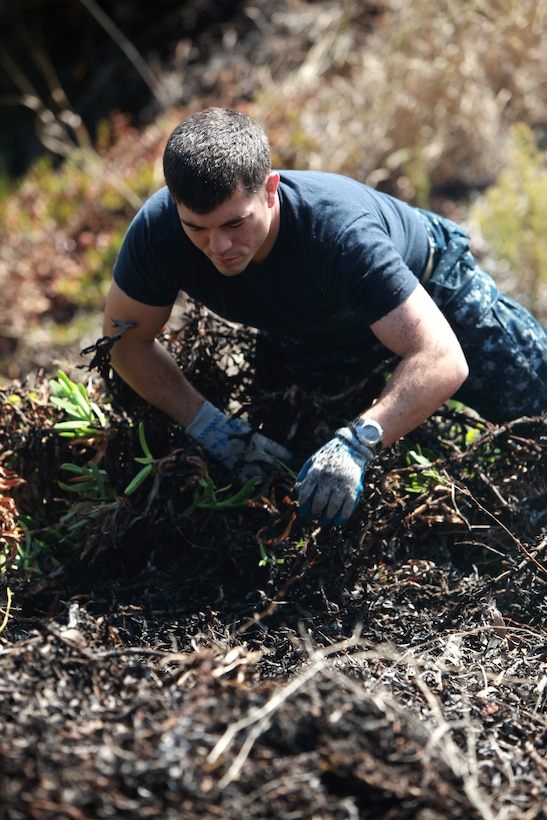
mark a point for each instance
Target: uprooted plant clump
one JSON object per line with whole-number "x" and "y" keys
{"x": 181, "y": 650}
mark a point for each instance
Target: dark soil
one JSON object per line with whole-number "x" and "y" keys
{"x": 244, "y": 663}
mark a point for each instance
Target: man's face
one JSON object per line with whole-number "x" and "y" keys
{"x": 241, "y": 230}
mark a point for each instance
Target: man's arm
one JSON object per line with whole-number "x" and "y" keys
{"x": 143, "y": 363}
{"x": 150, "y": 370}
{"x": 431, "y": 369}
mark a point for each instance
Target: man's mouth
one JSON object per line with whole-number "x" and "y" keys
{"x": 225, "y": 260}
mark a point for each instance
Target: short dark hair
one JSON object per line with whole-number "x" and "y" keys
{"x": 209, "y": 154}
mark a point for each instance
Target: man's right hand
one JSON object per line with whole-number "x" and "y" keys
{"x": 232, "y": 442}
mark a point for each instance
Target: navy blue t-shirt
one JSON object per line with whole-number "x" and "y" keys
{"x": 345, "y": 256}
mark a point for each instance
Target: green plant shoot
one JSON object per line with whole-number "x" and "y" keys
{"x": 89, "y": 481}
{"x": 208, "y": 497}
{"x": 266, "y": 559}
{"x": 147, "y": 460}
{"x": 420, "y": 482}
{"x": 85, "y": 416}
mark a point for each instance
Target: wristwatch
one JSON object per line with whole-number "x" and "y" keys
{"x": 369, "y": 433}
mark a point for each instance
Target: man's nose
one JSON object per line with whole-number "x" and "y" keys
{"x": 219, "y": 242}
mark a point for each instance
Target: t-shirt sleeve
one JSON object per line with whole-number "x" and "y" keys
{"x": 144, "y": 266}
{"x": 372, "y": 274}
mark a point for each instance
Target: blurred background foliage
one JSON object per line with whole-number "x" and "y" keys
{"x": 442, "y": 104}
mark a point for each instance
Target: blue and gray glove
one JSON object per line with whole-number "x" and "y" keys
{"x": 330, "y": 483}
{"x": 232, "y": 442}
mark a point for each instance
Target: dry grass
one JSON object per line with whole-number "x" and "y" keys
{"x": 423, "y": 99}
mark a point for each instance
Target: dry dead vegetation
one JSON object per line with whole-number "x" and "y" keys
{"x": 239, "y": 662}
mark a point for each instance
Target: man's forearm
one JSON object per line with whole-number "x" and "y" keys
{"x": 416, "y": 389}
{"x": 152, "y": 372}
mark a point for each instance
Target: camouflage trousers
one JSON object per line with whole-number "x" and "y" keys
{"x": 505, "y": 347}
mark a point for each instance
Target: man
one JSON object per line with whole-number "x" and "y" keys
{"x": 318, "y": 263}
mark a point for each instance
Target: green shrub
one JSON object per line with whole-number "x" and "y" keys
{"x": 513, "y": 215}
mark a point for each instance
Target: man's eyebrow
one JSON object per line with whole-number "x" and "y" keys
{"x": 226, "y": 224}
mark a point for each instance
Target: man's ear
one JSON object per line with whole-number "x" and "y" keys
{"x": 272, "y": 182}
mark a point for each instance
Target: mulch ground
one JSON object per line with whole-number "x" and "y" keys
{"x": 243, "y": 663}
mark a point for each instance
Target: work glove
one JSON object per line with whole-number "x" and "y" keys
{"x": 330, "y": 483}
{"x": 232, "y": 442}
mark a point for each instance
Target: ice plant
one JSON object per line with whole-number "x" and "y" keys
{"x": 85, "y": 415}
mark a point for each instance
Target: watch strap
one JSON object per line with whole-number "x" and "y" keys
{"x": 347, "y": 435}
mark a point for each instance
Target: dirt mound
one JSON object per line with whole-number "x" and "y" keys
{"x": 179, "y": 658}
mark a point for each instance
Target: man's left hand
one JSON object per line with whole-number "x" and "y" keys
{"x": 330, "y": 483}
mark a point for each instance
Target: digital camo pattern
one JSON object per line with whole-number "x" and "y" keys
{"x": 505, "y": 347}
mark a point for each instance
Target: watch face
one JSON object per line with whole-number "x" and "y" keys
{"x": 370, "y": 434}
